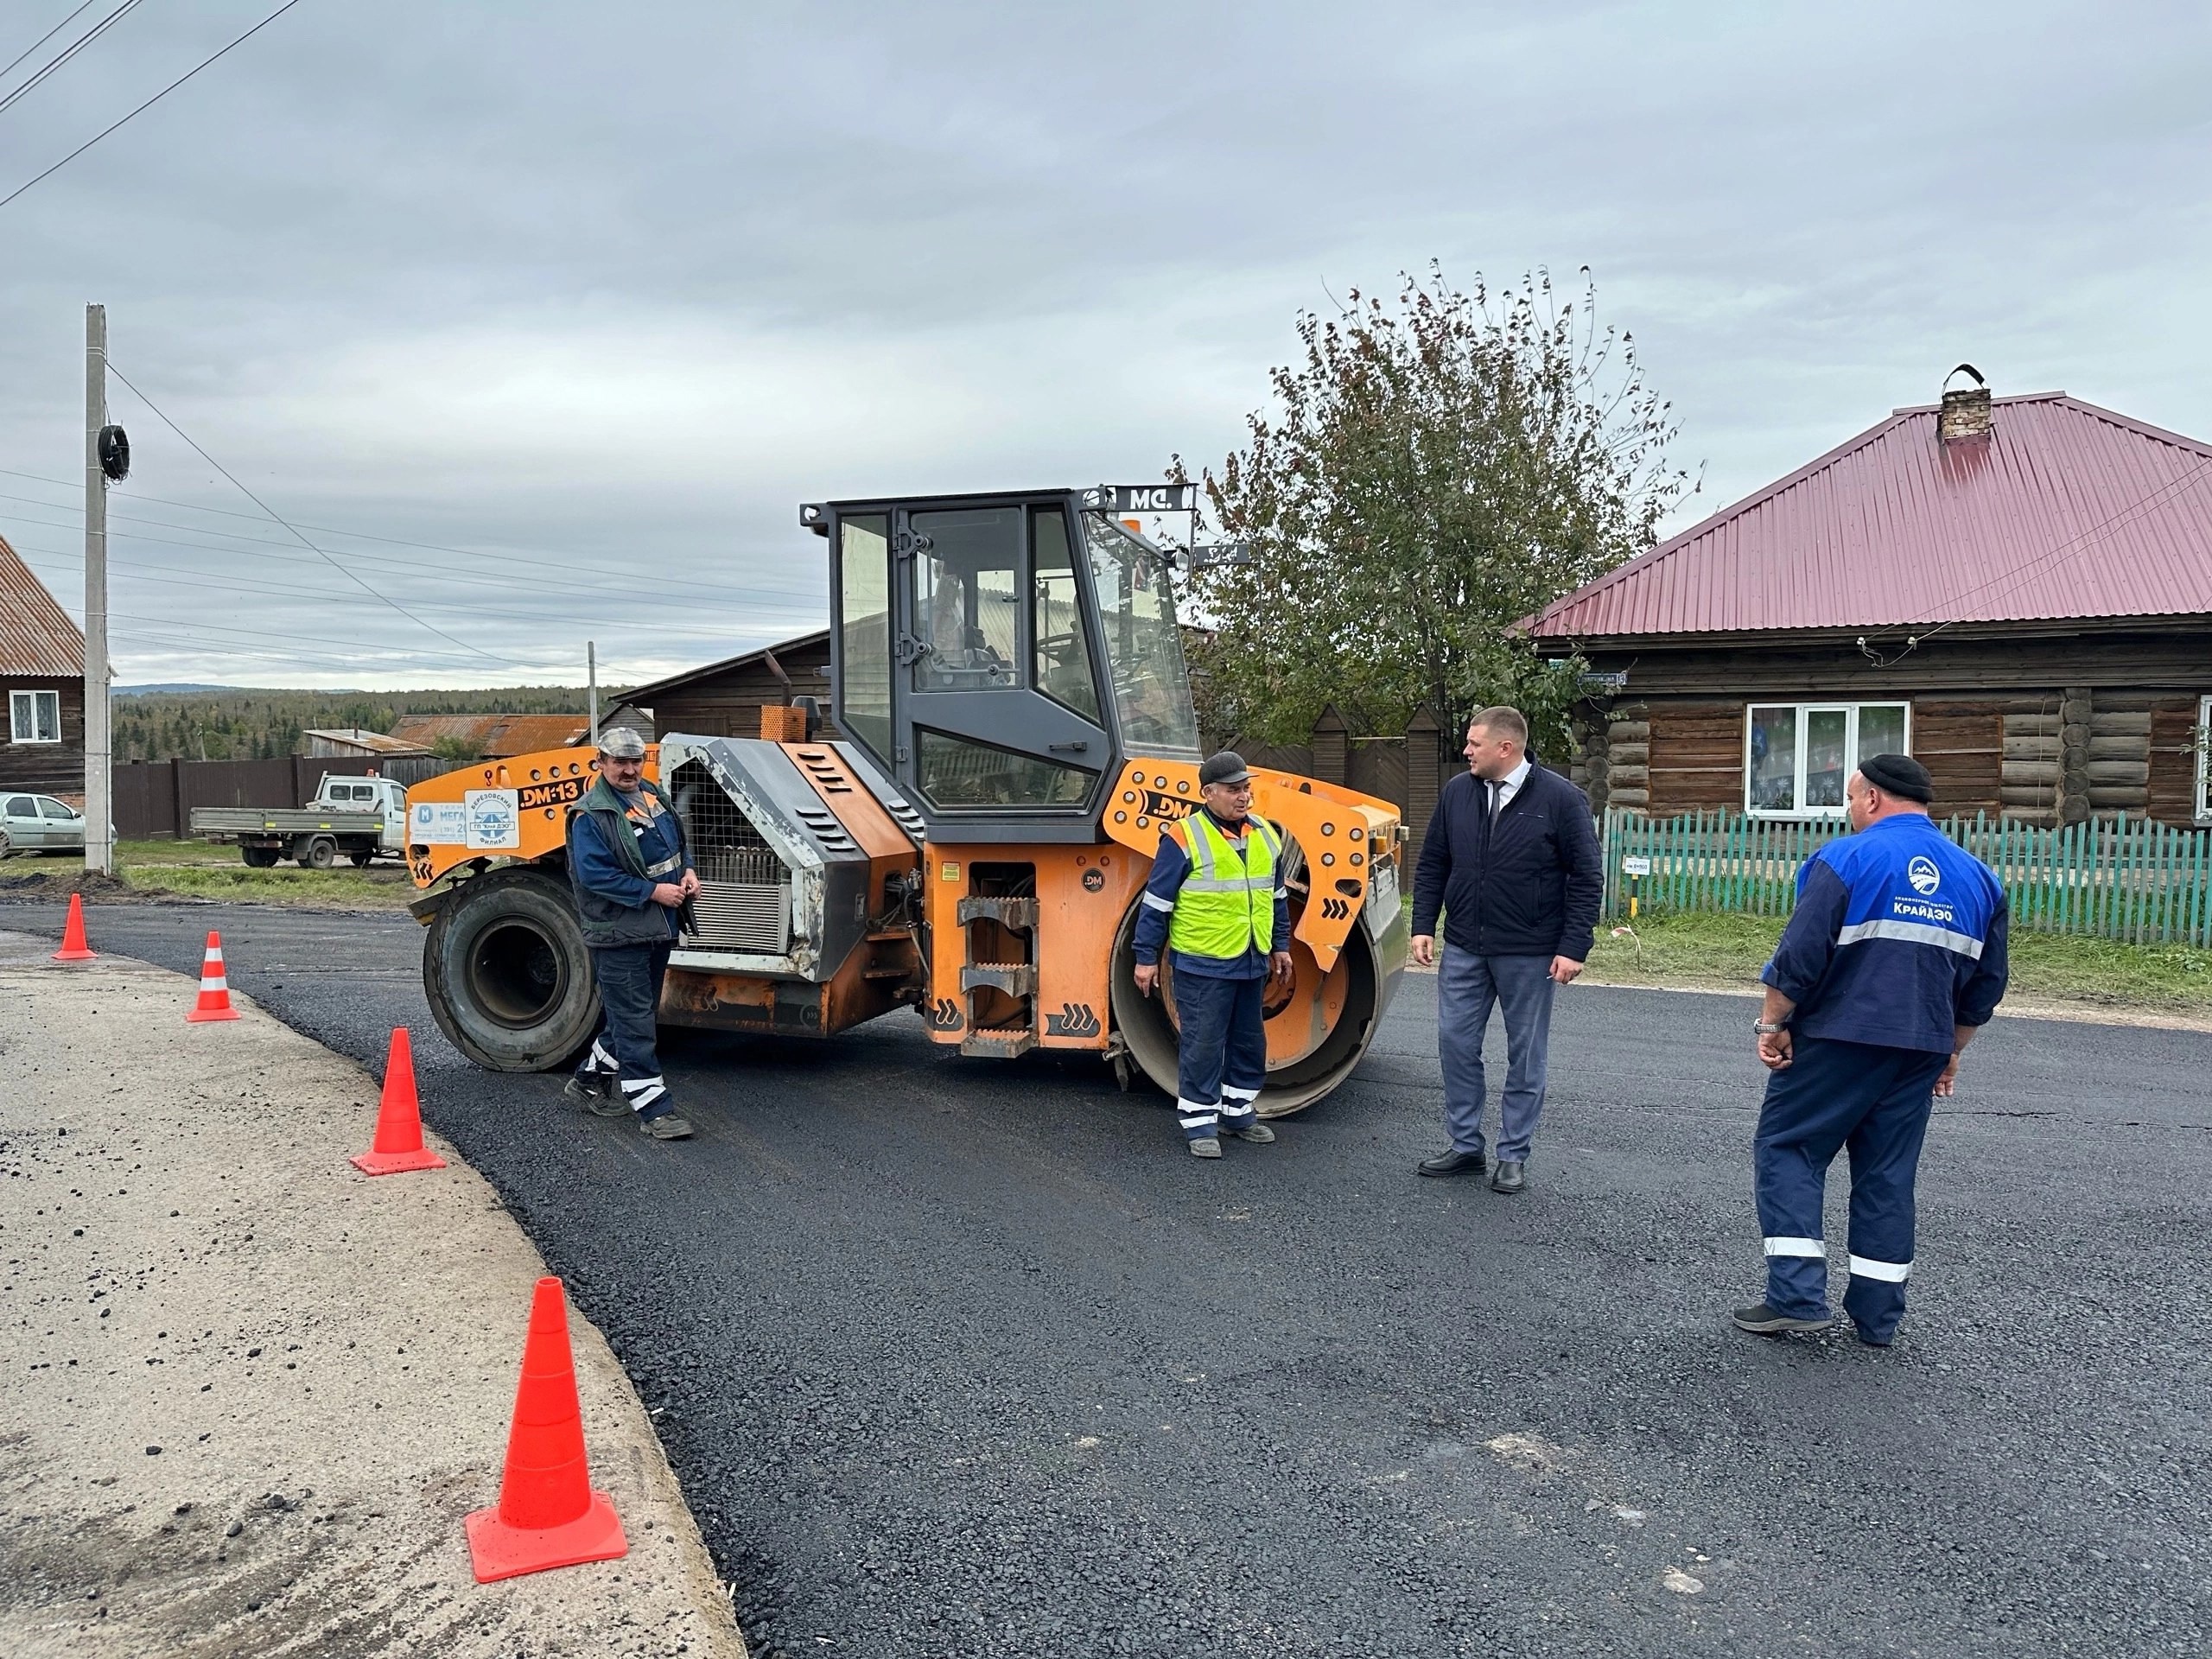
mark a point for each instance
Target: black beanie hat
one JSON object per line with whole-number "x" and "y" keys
{"x": 1900, "y": 775}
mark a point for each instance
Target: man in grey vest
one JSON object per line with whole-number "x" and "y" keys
{"x": 631, "y": 873}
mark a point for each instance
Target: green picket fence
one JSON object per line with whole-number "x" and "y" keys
{"x": 2143, "y": 882}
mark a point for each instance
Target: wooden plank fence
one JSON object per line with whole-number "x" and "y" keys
{"x": 2140, "y": 882}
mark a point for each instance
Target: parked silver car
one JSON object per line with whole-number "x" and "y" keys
{"x": 38, "y": 824}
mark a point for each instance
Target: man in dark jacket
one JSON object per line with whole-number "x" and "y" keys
{"x": 1511, "y": 860}
{"x": 632, "y": 875}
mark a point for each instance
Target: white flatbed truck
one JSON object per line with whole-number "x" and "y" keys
{"x": 359, "y": 818}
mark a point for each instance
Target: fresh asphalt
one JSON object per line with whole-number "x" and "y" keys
{"x": 965, "y": 1356}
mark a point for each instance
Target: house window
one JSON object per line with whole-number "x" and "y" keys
{"x": 35, "y": 716}
{"x": 1798, "y": 756}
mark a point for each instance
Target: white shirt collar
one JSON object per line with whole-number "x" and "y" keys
{"x": 1509, "y": 786}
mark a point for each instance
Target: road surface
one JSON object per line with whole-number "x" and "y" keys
{"x": 962, "y": 1356}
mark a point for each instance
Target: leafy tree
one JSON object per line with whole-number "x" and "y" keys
{"x": 1435, "y": 471}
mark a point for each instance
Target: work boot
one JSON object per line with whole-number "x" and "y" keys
{"x": 1208, "y": 1148}
{"x": 667, "y": 1127}
{"x": 1256, "y": 1132}
{"x": 1764, "y": 1321}
{"x": 590, "y": 1088}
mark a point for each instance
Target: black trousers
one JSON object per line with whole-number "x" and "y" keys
{"x": 629, "y": 978}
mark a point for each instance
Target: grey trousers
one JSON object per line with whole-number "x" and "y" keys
{"x": 1467, "y": 987}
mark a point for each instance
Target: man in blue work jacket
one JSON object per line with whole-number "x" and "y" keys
{"x": 1215, "y": 901}
{"x": 1892, "y": 959}
{"x": 632, "y": 875}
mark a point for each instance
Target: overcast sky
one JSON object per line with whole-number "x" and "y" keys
{"x": 588, "y": 297}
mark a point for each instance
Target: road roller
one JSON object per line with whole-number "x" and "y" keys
{"x": 962, "y": 836}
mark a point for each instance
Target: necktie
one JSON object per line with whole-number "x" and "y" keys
{"x": 1497, "y": 799}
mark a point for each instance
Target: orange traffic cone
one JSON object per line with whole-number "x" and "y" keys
{"x": 214, "y": 989}
{"x": 548, "y": 1516}
{"x": 398, "y": 1145}
{"x": 73, "y": 948}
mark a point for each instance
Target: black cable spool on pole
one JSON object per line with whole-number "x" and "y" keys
{"x": 115, "y": 454}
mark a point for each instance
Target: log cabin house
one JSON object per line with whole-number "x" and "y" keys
{"x": 41, "y": 687}
{"x": 2016, "y": 590}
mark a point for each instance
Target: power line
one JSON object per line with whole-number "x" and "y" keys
{"x": 44, "y": 38}
{"x": 168, "y": 576}
{"x": 148, "y": 104}
{"x": 776, "y": 600}
{"x": 530, "y": 560}
{"x": 279, "y": 518}
{"x": 68, "y": 52}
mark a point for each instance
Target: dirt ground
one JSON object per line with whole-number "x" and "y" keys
{"x": 251, "y": 1393}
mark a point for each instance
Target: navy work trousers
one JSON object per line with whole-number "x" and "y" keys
{"x": 1222, "y": 1064}
{"x": 1874, "y": 1101}
{"x": 630, "y": 978}
{"x": 1467, "y": 987}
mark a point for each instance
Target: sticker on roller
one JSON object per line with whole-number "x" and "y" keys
{"x": 494, "y": 820}
{"x": 438, "y": 824}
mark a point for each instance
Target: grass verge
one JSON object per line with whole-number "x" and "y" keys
{"x": 1726, "y": 952}
{"x": 199, "y": 869}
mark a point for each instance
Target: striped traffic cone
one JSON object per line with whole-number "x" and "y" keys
{"x": 214, "y": 989}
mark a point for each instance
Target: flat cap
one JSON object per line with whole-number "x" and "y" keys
{"x": 620, "y": 743}
{"x": 1899, "y": 775}
{"x": 1227, "y": 767}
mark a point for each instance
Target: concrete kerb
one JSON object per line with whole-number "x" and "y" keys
{"x": 251, "y": 1393}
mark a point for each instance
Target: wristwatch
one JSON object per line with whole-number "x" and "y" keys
{"x": 1769, "y": 1027}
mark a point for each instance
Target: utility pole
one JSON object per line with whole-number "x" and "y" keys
{"x": 591, "y": 671}
{"x": 99, "y": 810}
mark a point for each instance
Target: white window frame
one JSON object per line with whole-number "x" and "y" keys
{"x": 1850, "y": 711}
{"x": 2202, "y": 745}
{"x": 22, "y": 716}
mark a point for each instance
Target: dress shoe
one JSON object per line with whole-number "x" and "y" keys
{"x": 1764, "y": 1321}
{"x": 1258, "y": 1134}
{"x": 1512, "y": 1175}
{"x": 1208, "y": 1148}
{"x": 1454, "y": 1162}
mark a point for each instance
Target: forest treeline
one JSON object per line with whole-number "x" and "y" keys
{"x": 249, "y": 724}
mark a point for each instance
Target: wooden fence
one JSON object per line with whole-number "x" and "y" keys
{"x": 154, "y": 799}
{"x": 2141, "y": 881}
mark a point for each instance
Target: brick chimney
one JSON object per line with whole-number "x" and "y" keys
{"x": 1965, "y": 413}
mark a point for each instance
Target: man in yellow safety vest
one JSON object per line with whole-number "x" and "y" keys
{"x": 1215, "y": 901}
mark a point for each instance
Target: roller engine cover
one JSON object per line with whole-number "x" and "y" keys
{"x": 783, "y": 889}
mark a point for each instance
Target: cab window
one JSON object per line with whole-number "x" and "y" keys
{"x": 864, "y": 626}
{"x": 1063, "y": 653}
{"x": 965, "y": 598}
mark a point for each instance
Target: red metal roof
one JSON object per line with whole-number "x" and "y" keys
{"x": 37, "y": 636}
{"x": 2064, "y": 511}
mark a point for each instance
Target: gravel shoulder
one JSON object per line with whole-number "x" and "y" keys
{"x": 251, "y": 1394}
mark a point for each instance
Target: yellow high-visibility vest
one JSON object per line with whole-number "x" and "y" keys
{"x": 1227, "y": 903}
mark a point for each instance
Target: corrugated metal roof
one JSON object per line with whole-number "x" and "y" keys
{"x": 2065, "y": 510}
{"x": 493, "y": 736}
{"x": 37, "y": 636}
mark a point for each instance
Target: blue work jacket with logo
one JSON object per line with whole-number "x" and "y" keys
{"x": 1899, "y": 936}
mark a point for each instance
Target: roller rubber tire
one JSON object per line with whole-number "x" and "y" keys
{"x": 507, "y": 975}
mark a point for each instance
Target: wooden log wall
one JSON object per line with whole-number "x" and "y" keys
{"x": 1696, "y": 754}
